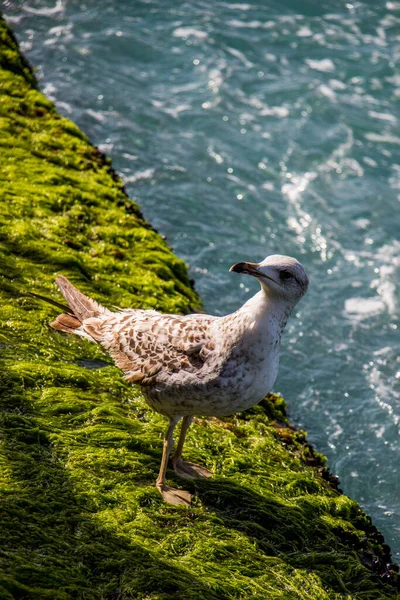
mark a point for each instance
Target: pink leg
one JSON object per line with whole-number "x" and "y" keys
{"x": 187, "y": 469}
{"x": 170, "y": 495}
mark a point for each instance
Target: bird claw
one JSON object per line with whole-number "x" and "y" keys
{"x": 173, "y": 496}
{"x": 189, "y": 470}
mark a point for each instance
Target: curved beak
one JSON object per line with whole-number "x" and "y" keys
{"x": 251, "y": 269}
{"x": 245, "y": 267}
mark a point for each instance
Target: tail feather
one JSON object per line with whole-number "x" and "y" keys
{"x": 66, "y": 322}
{"x": 82, "y": 316}
{"x": 81, "y": 306}
{"x": 63, "y": 307}
{"x": 70, "y": 324}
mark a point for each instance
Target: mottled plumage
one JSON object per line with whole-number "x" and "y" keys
{"x": 195, "y": 364}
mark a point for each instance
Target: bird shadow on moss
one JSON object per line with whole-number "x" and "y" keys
{"x": 54, "y": 543}
{"x": 299, "y": 536}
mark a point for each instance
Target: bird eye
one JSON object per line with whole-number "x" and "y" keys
{"x": 285, "y": 275}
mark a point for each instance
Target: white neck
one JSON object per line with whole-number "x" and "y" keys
{"x": 266, "y": 309}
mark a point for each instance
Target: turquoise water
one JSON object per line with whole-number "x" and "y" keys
{"x": 249, "y": 129}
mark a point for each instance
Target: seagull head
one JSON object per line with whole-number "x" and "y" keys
{"x": 278, "y": 275}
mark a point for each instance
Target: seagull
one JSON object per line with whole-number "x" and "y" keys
{"x": 194, "y": 364}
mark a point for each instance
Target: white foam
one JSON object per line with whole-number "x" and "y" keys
{"x": 60, "y": 30}
{"x": 251, "y": 24}
{"x": 382, "y": 116}
{"x": 241, "y": 57}
{"x": 364, "y": 307}
{"x": 176, "y": 111}
{"x": 96, "y": 115}
{"x": 336, "y": 84}
{"x": 64, "y": 106}
{"x": 106, "y": 148}
{"x": 362, "y": 223}
{"x": 186, "y": 87}
{"x": 13, "y": 20}
{"x": 385, "y": 138}
{"x": 145, "y": 174}
{"x": 185, "y": 32}
{"x": 389, "y": 257}
{"x": 274, "y": 111}
{"x": 328, "y": 92}
{"x": 239, "y": 6}
{"x": 26, "y": 46}
{"x": 217, "y": 157}
{"x": 326, "y": 64}
{"x": 45, "y": 12}
{"x": 49, "y": 89}
{"x": 268, "y": 186}
{"x": 304, "y": 31}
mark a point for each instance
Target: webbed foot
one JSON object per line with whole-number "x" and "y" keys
{"x": 173, "y": 496}
{"x": 189, "y": 470}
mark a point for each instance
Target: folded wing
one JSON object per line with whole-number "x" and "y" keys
{"x": 148, "y": 345}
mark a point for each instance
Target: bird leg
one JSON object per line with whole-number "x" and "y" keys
{"x": 186, "y": 469}
{"x": 170, "y": 495}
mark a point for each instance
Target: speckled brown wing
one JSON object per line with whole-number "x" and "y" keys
{"x": 147, "y": 345}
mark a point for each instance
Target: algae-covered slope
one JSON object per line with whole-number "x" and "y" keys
{"x": 79, "y": 513}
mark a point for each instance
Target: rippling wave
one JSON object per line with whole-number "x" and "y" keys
{"x": 247, "y": 129}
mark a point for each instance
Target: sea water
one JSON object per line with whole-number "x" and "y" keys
{"x": 245, "y": 129}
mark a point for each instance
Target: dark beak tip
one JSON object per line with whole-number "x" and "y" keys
{"x": 237, "y": 268}
{"x": 245, "y": 267}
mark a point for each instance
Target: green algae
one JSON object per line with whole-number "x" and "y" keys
{"x": 80, "y": 450}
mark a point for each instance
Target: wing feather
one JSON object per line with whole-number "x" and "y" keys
{"x": 147, "y": 344}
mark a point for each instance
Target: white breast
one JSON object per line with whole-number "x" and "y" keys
{"x": 240, "y": 371}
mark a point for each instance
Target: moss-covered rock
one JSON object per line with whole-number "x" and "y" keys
{"x": 79, "y": 514}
